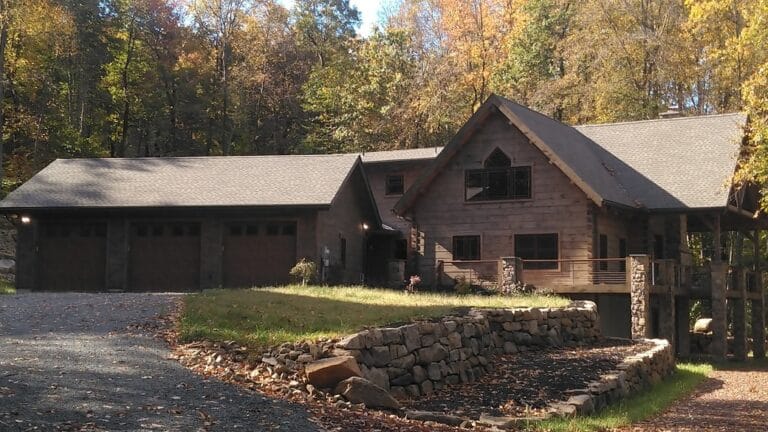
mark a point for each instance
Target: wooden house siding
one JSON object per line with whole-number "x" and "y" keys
{"x": 351, "y": 208}
{"x": 556, "y": 206}
{"x": 377, "y": 176}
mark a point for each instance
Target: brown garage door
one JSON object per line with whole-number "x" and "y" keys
{"x": 258, "y": 253}
{"x": 72, "y": 256}
{"x": 164, "y": 257}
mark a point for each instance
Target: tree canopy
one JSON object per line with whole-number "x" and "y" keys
{"x": 137, "y": 78}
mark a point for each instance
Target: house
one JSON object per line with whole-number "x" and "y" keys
{"x": 598, "y": 212}
{"x": 159, "y": 224}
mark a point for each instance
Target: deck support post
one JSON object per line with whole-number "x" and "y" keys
{"x": 758, "y": 305}
{"x": 683, "y": 339}
{"x": 740, "y": 315}
{"x": 639, "y": 292}
{"x": 719, "y": 345}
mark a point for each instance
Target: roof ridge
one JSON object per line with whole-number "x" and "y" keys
{"x": 658, "y": 120}
{"x": 208, "y": 157}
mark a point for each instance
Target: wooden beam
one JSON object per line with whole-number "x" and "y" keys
{"x": 716, "y": 236}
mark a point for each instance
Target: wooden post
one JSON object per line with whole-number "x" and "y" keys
{"x": 719, "y": 346}
{"x": 758, "y": 306}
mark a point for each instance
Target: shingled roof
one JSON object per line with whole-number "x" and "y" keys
{"x": 403, "y": 155}
{"x": 665, "y": 164}
{"x": 673, "y": 163}
{"x": 252, "y": 181}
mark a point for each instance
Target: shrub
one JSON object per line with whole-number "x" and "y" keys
{"x": 304, "y": 271}
{"x": 462, "y": 287}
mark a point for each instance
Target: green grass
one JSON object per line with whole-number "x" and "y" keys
{"x": 270, "y": 316}
{"x": 7, "y": 287}
{"x": 638, "y": 407}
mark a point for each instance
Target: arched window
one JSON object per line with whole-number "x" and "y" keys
{"x": 498, "y": 180}
{"x": 497, "y": 159}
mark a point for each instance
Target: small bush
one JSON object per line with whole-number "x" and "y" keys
{"x": 305, "y": 271}
{"x": 462, "y": 287}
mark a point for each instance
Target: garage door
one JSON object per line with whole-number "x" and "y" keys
{"x": 164, "y": 257}
{"x": 72, "y": 256}
{"x": 258, "y": 253}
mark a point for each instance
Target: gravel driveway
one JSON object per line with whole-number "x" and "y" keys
{"x": 67, "y": 363}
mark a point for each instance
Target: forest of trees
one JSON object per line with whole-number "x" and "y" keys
{"x": 133, "y": 78}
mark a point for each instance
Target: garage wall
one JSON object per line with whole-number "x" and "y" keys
{"x": 26, "y": 256}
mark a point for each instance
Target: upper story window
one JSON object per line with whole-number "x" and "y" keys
{"x": 498, "y": 180}
{"x": 395, "y": 184}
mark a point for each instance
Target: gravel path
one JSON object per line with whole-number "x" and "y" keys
{"x": 729, "y": 400}
{"x": 67, "y": 363}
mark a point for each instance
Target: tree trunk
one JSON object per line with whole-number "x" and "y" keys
{"x": 125, "y": 84}
{"x": 3, "y": 44}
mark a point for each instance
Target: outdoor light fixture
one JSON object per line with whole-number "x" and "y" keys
{"x": 26, "y": 219}
{"x": 365, "y": 226}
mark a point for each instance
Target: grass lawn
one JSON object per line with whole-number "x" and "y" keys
{"x": 269, "y": 316}
{"x": 636, "y": 408}
{"x": 7, "y": 287}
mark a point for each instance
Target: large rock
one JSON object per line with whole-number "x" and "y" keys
{"x": 703, "y": 325}
{"x": 330, "y": 371}
{"x": 7, "y": 265}
{"x": 360, "y": 390}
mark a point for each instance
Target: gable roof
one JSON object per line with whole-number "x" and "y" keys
{"x": 403, "y": 155}
{"x": 684, "y": 162}
{"x": 633, "y": 164}
{"x": 252, "y": 181}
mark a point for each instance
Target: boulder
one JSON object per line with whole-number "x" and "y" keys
{"x": 330, "y": 371}
{"x": 7, "y": 265}
{"x": 703, "y": 325}
{"x": 360, "y": 390}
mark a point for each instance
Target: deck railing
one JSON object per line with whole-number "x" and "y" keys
{"x": 575, "y": 272}
{"x": 476, "y": 272}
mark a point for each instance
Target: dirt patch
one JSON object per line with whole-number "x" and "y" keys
{"x": 525, "y": 383}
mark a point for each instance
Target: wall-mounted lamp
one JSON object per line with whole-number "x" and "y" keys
{"x": 26, "y": 219}
{"x": 365, "y": 226}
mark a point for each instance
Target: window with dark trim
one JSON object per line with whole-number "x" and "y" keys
{"x": 537, "y": 247}
{"x": 395, "y": 184}
{"x": 466, "y": 247}
{"x": 497, "y": 180}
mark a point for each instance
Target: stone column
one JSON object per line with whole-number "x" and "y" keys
{"x": 739, "y": 305}
{"x": 719, "y": 346}
{"x": 640, "y": 295}
{"x": 511, "y": 273}
{"x": 682, "y": 308}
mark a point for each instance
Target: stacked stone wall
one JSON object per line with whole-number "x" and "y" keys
{"x": 416, "y": 359}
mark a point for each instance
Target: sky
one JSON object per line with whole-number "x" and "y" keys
{"x": 369, "y": 12}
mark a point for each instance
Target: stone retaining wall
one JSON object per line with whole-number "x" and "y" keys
{"x": 631, "y": 376}
{"x": 415, "y": 359}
